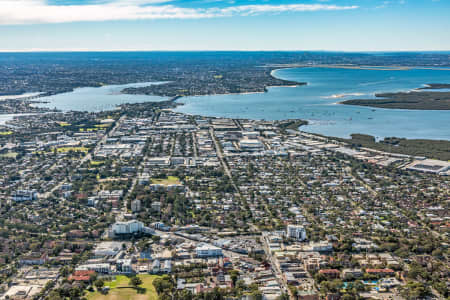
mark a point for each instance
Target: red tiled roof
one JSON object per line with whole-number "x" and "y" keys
{"x": 82, "y": 275}
{"x": 79, "y": 278}
{"x": 84, "y": 272}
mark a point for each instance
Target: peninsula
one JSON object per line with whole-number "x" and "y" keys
{"x": 229, "y": 80}
{"x": 418, "y": 100}
{"x": 435, "y": 86}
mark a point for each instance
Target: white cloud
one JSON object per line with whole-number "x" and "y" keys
{"x": 259, "y": 9}
{"x": 38, "y": 11}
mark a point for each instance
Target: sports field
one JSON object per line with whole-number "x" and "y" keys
{"x": 121, "y": 290}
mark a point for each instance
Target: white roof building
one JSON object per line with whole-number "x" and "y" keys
{"x": 205, "y": 250}
{"x": 107, "y": 249}
{"x": 129, "y": 227}
{"x": 99, "y": 268}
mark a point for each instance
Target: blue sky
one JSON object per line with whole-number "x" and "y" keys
{"x": 345, "y": 25}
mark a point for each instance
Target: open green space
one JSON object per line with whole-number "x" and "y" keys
{"x": 121, "y": 290}
{"x": 96, "y": 162}
{"x": 103, "y": 125}
{"x": 9, "y": 155}
{"x": 75, "y": 149}
{"x": 166, "y": 181}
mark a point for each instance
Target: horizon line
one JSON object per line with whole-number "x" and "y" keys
{"x": 203, "y": 50}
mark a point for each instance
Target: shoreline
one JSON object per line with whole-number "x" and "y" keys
{"x": 354, "y": 67}
{"x": 275, "y": 68}
{"x": 244, "y": 93}
{"x": 265, "y": 89}
{"x": 421, "y": 100}
{"x": 387, "y": 108}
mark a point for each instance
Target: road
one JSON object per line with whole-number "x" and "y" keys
{"x": 238, "y": 124}
{"x": 275, "y": 267}
{"x": 219, "y": 153}
{"x": 222, "y": 159}
{"x": 194, "y": 144}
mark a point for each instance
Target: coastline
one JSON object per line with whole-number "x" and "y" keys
{"x": 354, "y": 67}
{"x": 267, "y": 88}
{"x": 264, "y": 88}
{"x": 275, "y": 68}
{"x": 415, "y": 100}
{"x": 382, "y": 96}
{"x": 174, "y": 99}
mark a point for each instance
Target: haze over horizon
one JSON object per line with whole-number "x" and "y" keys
{"x": 165, "y": 25}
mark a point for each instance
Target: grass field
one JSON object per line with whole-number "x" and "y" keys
{"x": 96, "y": 162}
{"x": 103, "y": 125}
{"x": 9, "y": 155}
{"x": 75, "y": 149}
{"x": 6, "y": 132}
{"x": 90, "y": 129}
{"x": 168, "y": 181}
{"x": 120, "y": 290}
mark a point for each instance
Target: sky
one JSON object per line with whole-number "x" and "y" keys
{"x": 145, "y": 25}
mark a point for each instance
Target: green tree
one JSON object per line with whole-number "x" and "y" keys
{"x": 257, "y": 295}
{"x": 415, "y": 290}
{"x": 283, "y": 296}
{"x": 234, "y": 275}
{"x": 99, "y": 284}
{"x": 135, "y": 281}
{"x": 54, "y": 295}
{"x": 163, "y": 284}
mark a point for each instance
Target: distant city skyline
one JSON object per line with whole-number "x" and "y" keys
{"x": 167, "y": 25}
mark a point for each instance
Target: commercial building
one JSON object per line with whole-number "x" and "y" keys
{"x": 129, "y": 227}
{"x": 430, "y": 166}
{"x": 24, "y": 195}
{"x": 136, "y": 205}
{"x": 296, "y": 232}
{"x": 124, "y": 266}
{"x": 107, "y": 249}
{"x": 204, "y": 250}
{"x": 251, "y": 145}
{"x": 103, "y": 268}
{"x": 159, "y": 161}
